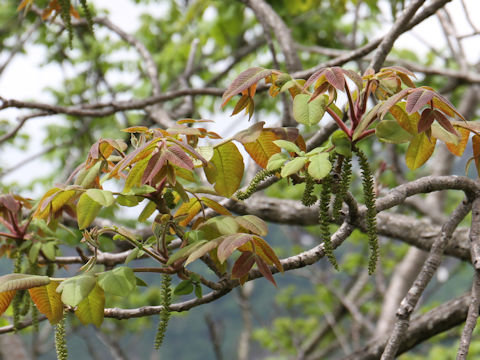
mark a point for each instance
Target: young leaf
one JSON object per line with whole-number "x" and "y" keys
{"x": 343, "y": 145}
{"x": 21, "y": 281}
{"x": 243, "y": 81}
{"x": 319, "y": 166}
{"x": 87, "y": 211}
{"x": 205, "y": 247}
{"x": 264, "y": 250}
{"x": 391, "y": 132}
{"x": 307, "y": 111}
{"x": 476, "y": 152}
{"x": 253, "y": 224}
{"x": 251, "y": 134}
{"x": 265, "y": 270}
{"x": 287, "y": 145}
{"x": 190, "y": 209}
{"x": 185, "y": 287}
{"x": 262, "y": 148}
{"x": 406, "y": 121}
{"x": 148, "y": 210}
{"x": 212, "y": 204}
{"x": 119, "y": 281}
{"x": 458, "y": 149}
{"x": 48, "y": 301}
{"x": 227, "y": 169}
{"x": 230, "y": 243}
{"x": 242, "y": 266}
{"x": 426, "y": 120}
{"x": 91, "y": 309}
{"x": 77, "y": 288}
{"x": 185, "y": 251}
{"x": 103, "y": 197}
{"x": 293, "y": 166}
{"x": 419, "y": 151}
{"x": 5, "y": 300}
{"x": 418, "y": 98}
{"x": 276, "y": 161}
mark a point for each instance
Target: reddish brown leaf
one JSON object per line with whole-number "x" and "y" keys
{"x": 426, "y": 120}
{"x": 178, "y": 157}
{"x": 230, "y": 244}
{"x": 444, "y": 122}
{"x": 264, "y": 250}
{"x": 314, "y": 77}
{"x": 244, "y": 81}
{"x": 265, "y": 270}
{"x": 335, "y": 77}
{"x": 154, "y": 165}
{"x": 418, "y": 98}
{"x": 243, "y": 265}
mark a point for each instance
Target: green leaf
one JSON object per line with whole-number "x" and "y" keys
{"x": 77, "y": 288}
{"x": 198, "y": 291}
{"x": 287, "y": 145}
{"x": 103, "y": 197}
{"x": 253, "y": 224}
{"x": 419, "y": 151}
{"x": 33, "y": 252}
{"x": 391, "y": 132}
{"x": 128, "y": 200}
{"x": 21, "y": 281}
{"x": 132, "y": 256}
{"x": 87, "y": 211}
{"x": 49, "y": 250}
{"x": 185, "y": 251}
{"x": 185, "y": 287}
{"x": 119, "y": 281}
{"x": 147, "y": 211}
{"x": 227, "y": 169}
{"x": 276, "y": 161}
{"x": 142, "y": 190}
{"x": 343, "y": 145}
{"x": 308, "y": 112}
{"x": 319, "y": 166}
{"x": 293, "y": 166}
{"x": 440, "y": 133}
{"x": 134, "y": 178}
{"x": 91, "y": 309}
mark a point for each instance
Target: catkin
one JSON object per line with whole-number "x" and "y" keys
{"x": 165, "y": 312}
{"x": 369, "y": 198}
{"x": 324, "y": 219}
{"x": 260, "y": 176}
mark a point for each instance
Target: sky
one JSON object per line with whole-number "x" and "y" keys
{"x": 26, "y": 77}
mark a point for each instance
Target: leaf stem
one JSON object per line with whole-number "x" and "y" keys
{"x": 339, "y": 122}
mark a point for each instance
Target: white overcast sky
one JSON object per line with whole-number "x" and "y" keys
{"x": 25, "y": 79}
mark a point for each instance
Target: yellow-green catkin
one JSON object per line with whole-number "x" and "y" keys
{"x": 260, "y": 176}
{"x": 19, "y": 296}
{"x": 308, "y": 198}
{"x": 165, "y": 313}
{"x": 324, "y": 220}
{"x": 344, "y": 184}
{"x": 60, "y": 340}
{"x": 67, "y": 20}
{"x": 369, "y": 198}
{"x": 88, "y": 14}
